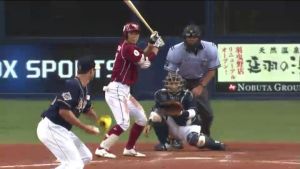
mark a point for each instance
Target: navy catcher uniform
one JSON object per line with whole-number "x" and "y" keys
{"x": 54, "y": 130}
{"x": 196, "y": 61}
{"x": 186, "y": 126}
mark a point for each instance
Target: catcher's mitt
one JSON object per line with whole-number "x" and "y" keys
{"x": 104, "y": 122}
{"x": 171, "y": 108}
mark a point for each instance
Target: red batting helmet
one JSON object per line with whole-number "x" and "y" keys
{"x": 130, "y": 27}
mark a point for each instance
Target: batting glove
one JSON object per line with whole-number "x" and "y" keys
{"x": 153, "y": 37}
{"x": 159, "y": 43}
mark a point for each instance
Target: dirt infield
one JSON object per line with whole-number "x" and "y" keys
{"x": 237, "y": 156}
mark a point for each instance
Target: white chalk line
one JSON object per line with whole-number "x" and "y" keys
{"x": 226, "y": 159}
{"x": 193, "y": 158}
{"x": 41, "y": 165}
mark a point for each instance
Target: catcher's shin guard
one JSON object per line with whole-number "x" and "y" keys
{"x": 161, "y": 131}
{"x": 202, "y": 141}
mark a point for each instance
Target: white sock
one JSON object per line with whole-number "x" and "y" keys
{"x": 109, "y": 141}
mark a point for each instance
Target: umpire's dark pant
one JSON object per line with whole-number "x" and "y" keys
{"x": 203, "y": 106}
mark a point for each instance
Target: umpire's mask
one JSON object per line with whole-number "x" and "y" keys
{"x": 192, "y": 35}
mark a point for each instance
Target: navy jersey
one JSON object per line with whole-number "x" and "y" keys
{"x": 74, "y": 97}
{"x": 185, "y": 97}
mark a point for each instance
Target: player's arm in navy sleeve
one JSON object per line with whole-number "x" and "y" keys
{"x": 189, "y": 104}
{"x": 67, "y": 101}
{"x": 68, "y": 98}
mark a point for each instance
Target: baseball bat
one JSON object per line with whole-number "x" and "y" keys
{"x": 137, "y": 13}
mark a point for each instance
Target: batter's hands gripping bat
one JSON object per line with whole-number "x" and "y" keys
{"x": 154, "y": 34}
{"x": 134, "y": 10}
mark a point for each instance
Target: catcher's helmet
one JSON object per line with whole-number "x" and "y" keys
{"x": 191, "y": 30}
{"x": 130, "y": 27}
{"x": 173, "y": 82}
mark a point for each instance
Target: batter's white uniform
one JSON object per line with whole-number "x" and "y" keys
{"x": 123, "y": 105}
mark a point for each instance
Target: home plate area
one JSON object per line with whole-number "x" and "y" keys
{"x": 236, "y": 156}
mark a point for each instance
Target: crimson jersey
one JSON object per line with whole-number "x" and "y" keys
{"x": 125, "y": 68}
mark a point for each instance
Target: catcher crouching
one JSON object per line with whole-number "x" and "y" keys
{"x": 175, "y": 115}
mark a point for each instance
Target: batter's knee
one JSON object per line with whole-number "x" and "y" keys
{"x": 124, "y": 126}
{"x": 142, "y": 121}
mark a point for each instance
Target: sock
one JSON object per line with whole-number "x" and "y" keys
{"x": 111, "y": 137}
{"x": 135, "y": 132}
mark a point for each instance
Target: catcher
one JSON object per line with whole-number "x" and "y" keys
{"x": 175, "y": 112}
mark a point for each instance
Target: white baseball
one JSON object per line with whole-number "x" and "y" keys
{"x": 96, "y": 129}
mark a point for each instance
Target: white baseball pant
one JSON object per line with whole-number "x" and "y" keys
{"x": 181, "y": 132}
{"x": 123, "y": 105}
{"x": 64, "y": 144}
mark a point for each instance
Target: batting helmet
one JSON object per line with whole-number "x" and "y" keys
{"x": 173, "y": 82}
{"x": 130, "y": 27}
{"x": 191, "y": 30}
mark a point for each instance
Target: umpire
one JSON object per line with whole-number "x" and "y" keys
{"x": 196, "y": 61}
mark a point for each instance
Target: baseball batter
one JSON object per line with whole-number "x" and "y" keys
{"x": 128, "y": 59}
{"x": 186, "y": 125}
{"x": 196, "y": 61}
{"x": 54, "y": 130}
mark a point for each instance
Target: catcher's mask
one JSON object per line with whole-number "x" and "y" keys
{"x": 173, "y": 82}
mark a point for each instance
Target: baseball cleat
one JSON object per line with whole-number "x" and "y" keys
{"x": 162, "y": 147}
{"x": 176, "y": 144}
{"x": 132, "y": 153}
{"x": 104, "y": 153}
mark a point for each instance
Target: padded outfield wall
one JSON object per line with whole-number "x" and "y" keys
{"x": 259, "y": 53}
